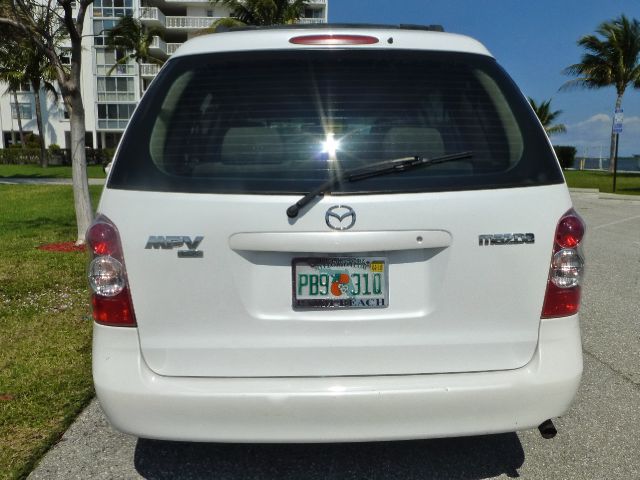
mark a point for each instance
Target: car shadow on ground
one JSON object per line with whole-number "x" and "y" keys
{"x": 460, "y": 458}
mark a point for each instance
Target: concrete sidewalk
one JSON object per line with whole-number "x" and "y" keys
{"x": 45, "y": 181}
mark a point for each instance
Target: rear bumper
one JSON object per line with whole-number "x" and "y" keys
{"x": 327, "y": 409}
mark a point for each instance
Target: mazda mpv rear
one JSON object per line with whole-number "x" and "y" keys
{"x": 334, "y": 234}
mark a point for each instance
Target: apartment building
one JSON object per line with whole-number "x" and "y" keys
{"x": 111, "y": 98}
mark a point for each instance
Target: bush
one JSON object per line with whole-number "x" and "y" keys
{"x": 31, "y": 140}
{"x": 566, "y": 155}
{"x": 19, "y": 156}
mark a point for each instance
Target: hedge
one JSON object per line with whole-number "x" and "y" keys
{"x": 566, "y": 155}
{"x": 31, "y": 156}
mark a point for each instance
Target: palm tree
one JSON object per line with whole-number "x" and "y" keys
{"x": 259, "y": 12}
{"x": 21, "y": 63}
{"x": 547, "y": 117}
{"x": 41, "y": 75}
{"x": 610, "y": 59}
{"x": 132, "y": 36}
{"x": 12, "y": 73}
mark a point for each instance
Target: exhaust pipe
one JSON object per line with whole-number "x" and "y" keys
{"x": 547, "y": 429}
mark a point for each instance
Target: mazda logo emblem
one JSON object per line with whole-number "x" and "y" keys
{"x": 340, "y": 217}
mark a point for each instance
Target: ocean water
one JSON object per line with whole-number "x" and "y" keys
{"x": 625, "y": 164}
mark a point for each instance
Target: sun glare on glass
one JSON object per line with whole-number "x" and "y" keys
{"x": 330, "y": 146}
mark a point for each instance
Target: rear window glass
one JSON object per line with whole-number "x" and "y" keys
{"x": 285, "y": 121}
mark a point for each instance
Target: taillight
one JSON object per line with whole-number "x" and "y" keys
{"x": 562, "y": 297}
{"x": 108, "y": 276}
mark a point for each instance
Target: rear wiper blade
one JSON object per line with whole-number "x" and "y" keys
{"x": 395, "y": 165}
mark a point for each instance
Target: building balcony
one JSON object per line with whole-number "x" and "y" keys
{"x": 152, "y": 17}
{"x": 190, "y": 23}
{"x": 158, "y": 47}
{"x": 172, "y": 47}
{"x": 149, "y": 70}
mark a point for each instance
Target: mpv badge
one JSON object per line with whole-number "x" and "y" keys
{"x": 337, "y": 217}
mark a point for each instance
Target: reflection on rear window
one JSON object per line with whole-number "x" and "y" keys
{"x": 281, "y": 122}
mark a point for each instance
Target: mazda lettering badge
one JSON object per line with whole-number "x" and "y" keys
{"x": 340, "y": 217}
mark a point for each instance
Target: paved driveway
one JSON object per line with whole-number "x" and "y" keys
{"x": 599, "y": 438}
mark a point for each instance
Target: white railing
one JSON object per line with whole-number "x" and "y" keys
{"x": 190, "y": 23}
{"x": 149, "y": 69}
{"x": 311, "y": 20}
{"x": 172, "y": 47}
{"x": 151, "y": 14}
{"x": 317, "y": 2}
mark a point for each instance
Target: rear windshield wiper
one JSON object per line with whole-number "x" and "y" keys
{"x": 395, "y": 165}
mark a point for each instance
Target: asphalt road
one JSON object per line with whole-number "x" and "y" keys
{"x": 599, "y": 438}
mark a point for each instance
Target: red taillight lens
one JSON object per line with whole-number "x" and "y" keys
{"x": 570, "y": 230}
{"x": 333, "y": 39}
{"x": 103, "y": 238}
{"x": 562, "y": 297}
{"x": 114, "y": 311}
{"x": 561, "y": 302}
{"x": 107, "y": 276}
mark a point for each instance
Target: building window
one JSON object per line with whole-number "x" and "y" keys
{"x": 116, "y": 89}
{"x": 209, "y": 13}
{"x": 313, "y": 13}
{"x": 106, "y": 59}
{"x": 25, "y": 111}
{"x": 65, "y": 57}
{"x": 113, "y": 8}
{"x": 114, "y": 116}
{"x": 101, "y": 29}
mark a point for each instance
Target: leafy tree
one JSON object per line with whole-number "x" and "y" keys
{"x": 547, "y": 117}
{"x": 133, "y": 37}
{"x": 42, "y": 23}
{"x": 610, "y": 59}
{"x": 260, "y": 12}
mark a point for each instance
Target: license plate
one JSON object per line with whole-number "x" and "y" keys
{"x": 340, "y": 282}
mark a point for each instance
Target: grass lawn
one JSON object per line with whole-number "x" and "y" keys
{"x": 626, "y": 183}
{"x": 45, "y": 339}
{"x": 35, "y": 171}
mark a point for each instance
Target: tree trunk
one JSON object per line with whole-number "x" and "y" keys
{"x": 44, "y": 160}
{"x": 612, "y": 149}
{"x": 81, "y": 198}
{"x": 19, "y": 118}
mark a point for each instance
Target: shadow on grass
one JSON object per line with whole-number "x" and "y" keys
{"x": 469, "y": 458}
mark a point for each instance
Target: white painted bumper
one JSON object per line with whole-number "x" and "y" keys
{"x": 327, "y": 409}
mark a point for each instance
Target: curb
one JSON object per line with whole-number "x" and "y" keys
{"x": 605, "y": 196}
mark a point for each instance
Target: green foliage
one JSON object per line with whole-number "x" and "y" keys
{"x": 132, "y": 36}
{"x": 19, "y": 156}
{"x": 566, "y": 155}
{"x": 260, "y": 12}
{"x": 610, "y": 57}
{"x": 547, "y": 117}
{"x": 45, "y": 345}
{"x": 31, "y": 140}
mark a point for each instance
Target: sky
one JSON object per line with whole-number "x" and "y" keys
{"x": 534, "y": 40}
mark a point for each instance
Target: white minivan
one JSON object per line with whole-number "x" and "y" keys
{"x": 335, "y": 233}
